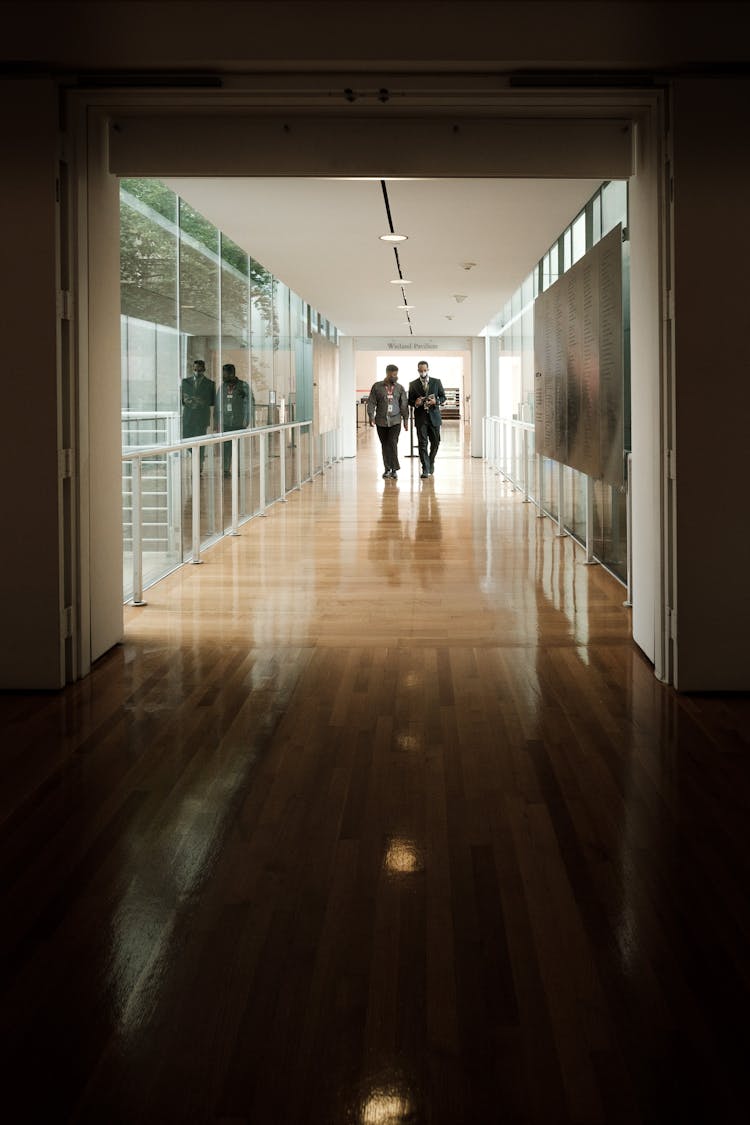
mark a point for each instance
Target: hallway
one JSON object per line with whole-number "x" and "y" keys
{"x": 377, "y": 817}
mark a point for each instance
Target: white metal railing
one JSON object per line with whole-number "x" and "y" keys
{"x": 157, "y": 513}
{"x": 322, "y": 453}
{"x": 509, "y": 449}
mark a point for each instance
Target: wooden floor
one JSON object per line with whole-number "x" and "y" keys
{"x": 377, "y": 817}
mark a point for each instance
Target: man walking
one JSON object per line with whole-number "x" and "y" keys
{"x": 387, "y": 408}
{"x": 235, "y": 401}
{"x": 426, "y": 395}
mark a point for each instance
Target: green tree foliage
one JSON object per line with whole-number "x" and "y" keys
{"x": 148, "y": 262}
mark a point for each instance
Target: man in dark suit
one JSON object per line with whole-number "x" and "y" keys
{"x": 198, "y": 400}
{"x": 426, "y": 395}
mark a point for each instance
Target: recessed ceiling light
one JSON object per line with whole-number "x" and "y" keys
{"x": 393, "y": 237}
{"x": 399, "y": 281}
{"x": 404, "y": 306}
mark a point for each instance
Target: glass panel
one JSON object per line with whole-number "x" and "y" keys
{"x": 262, "y": 342}
{"x": 200, "y": 334}
{"x": 200, "y": 317}
{"x": 150, "y": 371}
{"x": 303, "y": 406}
{"x": 614, "y": 205}
{"x": 249, "y": 476}
{"x": 579, "y": 237}
{"x": 554, "y": 262}
{"x": 545, "y": 272}
{"x": 549, "y": 485}
{"x": 567, "y": 249}
{"x": 596, "y": 211}
{"x": 290, "y": 445}
{"x": 282, "y": 356}
{"x": 234, "y": 403}
{"x": 273, "y": 467}
{"x": 305, "y": 441}
{"x": 610, "y": 542}
{"x": 148, "y": 252}
{"x": 577, "y": 520}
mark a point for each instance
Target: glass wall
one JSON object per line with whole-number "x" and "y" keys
{"x": 512, "y": 386}
{"x": 212, "y": 342}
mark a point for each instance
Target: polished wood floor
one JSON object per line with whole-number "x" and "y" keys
{"x": 377, "y": 817}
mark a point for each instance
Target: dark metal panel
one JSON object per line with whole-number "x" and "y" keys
{"x": 245, "y": 144}
{"x": 578, "y": 352}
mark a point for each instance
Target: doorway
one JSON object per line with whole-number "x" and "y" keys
{"x": 125, "y": 133}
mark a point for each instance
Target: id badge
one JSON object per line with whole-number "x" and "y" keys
{"x": 229, "y": 406}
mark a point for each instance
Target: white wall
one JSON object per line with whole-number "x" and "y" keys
{"x": 645, "y": 336}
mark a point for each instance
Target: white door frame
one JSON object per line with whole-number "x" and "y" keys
{"x": 93, "y": 114}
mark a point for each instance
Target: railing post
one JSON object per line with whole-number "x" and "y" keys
{"x": 311, "y": 446}
{"x": 282, "y": 464}
{"x": 174, "y": 464}
{"x": 560, "y": 500}
{"x": 235, "y": 483}
{"x": 246, "y": 452}
{"x": 590, "y": 560}
{"x": 136, "y": 509}
{"x": 539, "y": 497}
{"x": 196, "y": 467}
{"x": 262, "y": 470}
{"x": 525, "y": 475}
{"x": 210, "y": 452}
{"x": 298, "y": 454}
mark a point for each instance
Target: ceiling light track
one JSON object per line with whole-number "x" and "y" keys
{"x": 393, "y": 237}
{"x": 387, "y": 206}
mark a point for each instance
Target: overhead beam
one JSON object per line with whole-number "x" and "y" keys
{"x": 198, "y": 144}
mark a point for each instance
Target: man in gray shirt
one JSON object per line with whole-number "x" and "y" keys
{"x": 387, "y": 407}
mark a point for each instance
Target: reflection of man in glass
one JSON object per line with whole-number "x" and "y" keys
{"x": 198, "y": 399}
{"x": 234, "y": 407}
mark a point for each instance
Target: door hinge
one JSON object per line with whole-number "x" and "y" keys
{"x": 671, "y": 465}
{"x": 670, "y": 304}
{"x": 66, "y": 620}
{"x": 65, "y": 304}
{"x": 672, "y": 623}
{"x": 65, "y": 463}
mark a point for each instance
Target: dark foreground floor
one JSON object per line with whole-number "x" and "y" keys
{"x": 377, "y": 817}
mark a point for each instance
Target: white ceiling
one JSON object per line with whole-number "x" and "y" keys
{"x": 321, "y": 237}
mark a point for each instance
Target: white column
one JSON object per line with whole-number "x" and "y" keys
{"x": 479, "y": 396}
{"x": 347, "y": 399}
